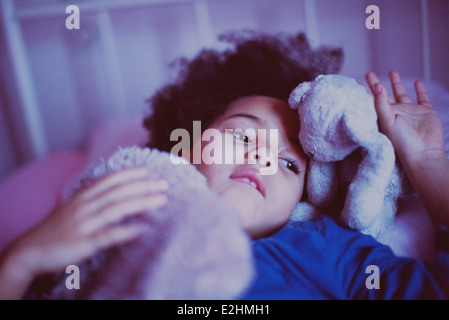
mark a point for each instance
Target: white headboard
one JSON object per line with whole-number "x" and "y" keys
{"x": 59, "y": 83}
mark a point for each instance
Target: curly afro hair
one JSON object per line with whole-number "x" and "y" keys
{"x": 259, "y": 64}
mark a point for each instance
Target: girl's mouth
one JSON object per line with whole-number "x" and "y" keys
{"x": 251, "y": 177}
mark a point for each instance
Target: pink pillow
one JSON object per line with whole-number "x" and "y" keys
{"x": 31, "y": 192}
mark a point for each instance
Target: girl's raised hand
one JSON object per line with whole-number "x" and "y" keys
{"x": 415, "y": 130}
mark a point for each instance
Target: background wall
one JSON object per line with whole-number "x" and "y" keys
{"x": 57, "y": 84}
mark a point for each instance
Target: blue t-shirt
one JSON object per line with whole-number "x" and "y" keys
{"x": 319, "y": 259}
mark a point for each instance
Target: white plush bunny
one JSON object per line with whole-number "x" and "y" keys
{"x": 352, "y": 165}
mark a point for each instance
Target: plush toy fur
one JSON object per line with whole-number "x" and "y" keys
{"x": 194, "y": 247}
{"x": 352, "y": 165}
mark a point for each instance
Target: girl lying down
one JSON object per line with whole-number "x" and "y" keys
{"x": 249, "y": 88}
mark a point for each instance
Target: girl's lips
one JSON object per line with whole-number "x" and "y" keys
{"x": 251, "y": 177}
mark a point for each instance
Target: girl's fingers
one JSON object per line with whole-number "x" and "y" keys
{"x": 421, "y": 94}
{"x": 376, "y": 86}
{"x": 122, "y": 192}
{"x": 120, "y": 210}
{"x": 372, "y": 79}
{"x": 114, "y": 179}
{"x": 383, "y": 107}
{"x": 118, "y": 235}
{"x": 382, "y": 101}
{"x": 400, "y": 93}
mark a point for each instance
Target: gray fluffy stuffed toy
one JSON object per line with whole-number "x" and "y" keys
{"x": 194, "y": 247}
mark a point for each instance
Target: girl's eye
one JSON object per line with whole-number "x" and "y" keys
{"x": 290, "y": 165}
{"x": 242, "y": 137}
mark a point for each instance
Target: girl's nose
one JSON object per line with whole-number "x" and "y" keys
{"x": 265, "y": 157}
{"x": 257, "y": 154}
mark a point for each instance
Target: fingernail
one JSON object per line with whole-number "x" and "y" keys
{"x": 377, "y": 88}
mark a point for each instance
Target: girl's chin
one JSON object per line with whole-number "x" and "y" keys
{"x": 243, "y": 197}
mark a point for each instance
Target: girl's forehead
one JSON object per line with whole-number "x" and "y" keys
{"x": 272, "y": 112}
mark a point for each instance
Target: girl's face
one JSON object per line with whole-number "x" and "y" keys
{"x": 263, "y": 202}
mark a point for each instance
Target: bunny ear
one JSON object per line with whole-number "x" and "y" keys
{"x": 298, "y": 94}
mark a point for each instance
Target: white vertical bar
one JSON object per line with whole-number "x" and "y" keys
{"x": 203, "y": 23}
{"x": 311, "y": 20}
{"x": 36, "y": 144}
{"x": 112, "y": 62}
{"x": 58, "y": 9}
{"x": 425, "y": 40}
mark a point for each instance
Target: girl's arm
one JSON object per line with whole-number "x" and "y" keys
{"x": 416, "y": 133}
{"x": 79, "y": 228}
